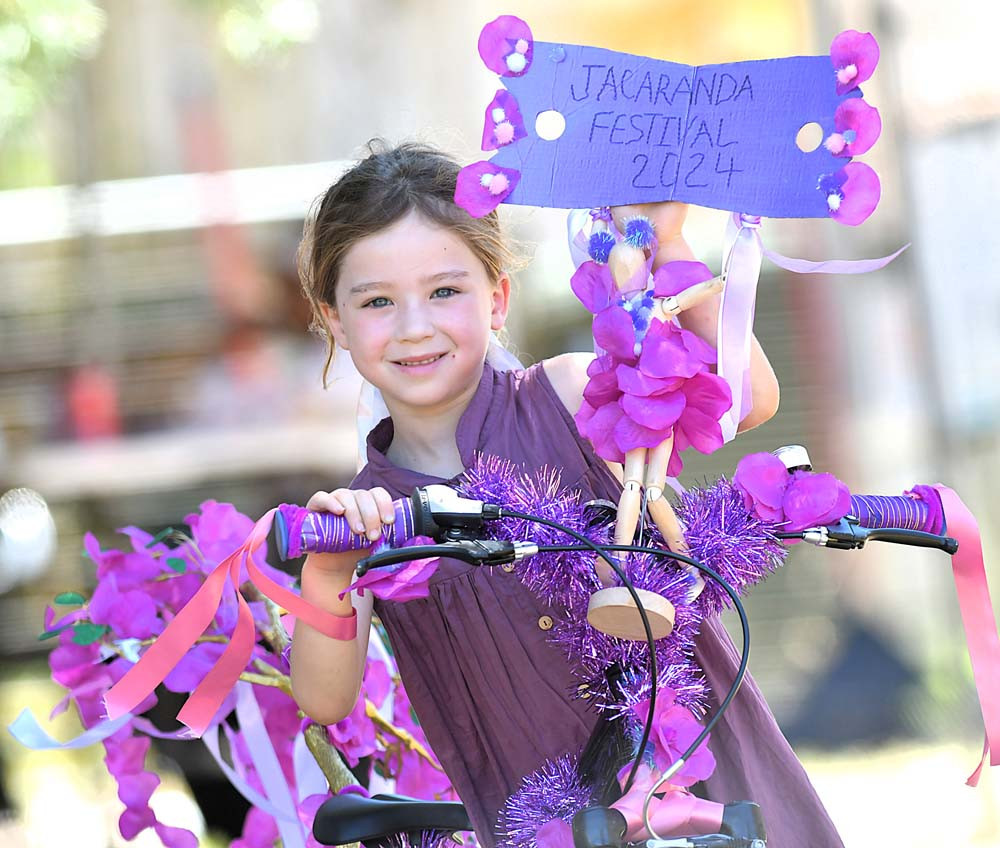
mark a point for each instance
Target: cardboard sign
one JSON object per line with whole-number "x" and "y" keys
{"x": 640, "y": 130}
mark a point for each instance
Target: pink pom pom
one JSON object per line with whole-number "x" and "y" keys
{"x": 835, "y": 143}
{"x": 499, "y": 184}
{"x": 504, "y": 132}
{"x": 522, "y": 46}
{"x": 847, "y": 74}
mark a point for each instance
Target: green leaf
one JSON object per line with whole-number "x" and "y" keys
{"x": 69, "y": 598}
{"x": 51, "y": 634}
{"x": 159, "y": 537}
{"x": 86, "y": 633}
{"x": 177, "y": 564}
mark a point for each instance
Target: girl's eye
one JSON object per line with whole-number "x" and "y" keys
{"x": 375, "y": 303}
{"x": 444, "y": 291}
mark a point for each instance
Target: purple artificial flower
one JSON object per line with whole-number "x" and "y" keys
{"x": 197, "y": 662}
{"x": 555, "y": 833}
{"x": 354, "y": 736}
{"x": 854, "y": 55}
{"x": 377, "y": 683}
{"x": 857, "y": 126}
{"x": 504, "y": 124}
{"x": 482, "y": 186}
{"x": 307, "y": 810}
{"x": 506, "y": 46}
{"x": 798, "y": 500}
{"x": 813, "y": 500}
{"x": 674, "y": 729}
{"x": 402, "y": 582}
{"x": 857, "y": 197}
{"x": 259, "y": 831}
{"x": 129, "y": 614}
{"x": 615, "y": 332}
{"x": 672, "y": 278}
{"x": 593, "y": 286}
{"x": 131, "y": 570}
{"x": 762, "y": 479}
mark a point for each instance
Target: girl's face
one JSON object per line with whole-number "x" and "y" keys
{"x": 415, "y": 307}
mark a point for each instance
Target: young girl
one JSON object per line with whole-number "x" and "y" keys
{"x": 412, "y": 286}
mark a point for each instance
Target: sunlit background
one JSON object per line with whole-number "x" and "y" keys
{"x": 156, "y": 161}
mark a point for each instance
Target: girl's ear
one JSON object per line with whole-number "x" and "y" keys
{"x": 332, "y": 319}
{"x": 501, "y": 302}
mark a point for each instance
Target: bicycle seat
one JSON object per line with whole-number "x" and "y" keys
{"x": 354, "y": 818}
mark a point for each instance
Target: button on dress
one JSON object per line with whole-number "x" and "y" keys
{"x": 494, "y": 697}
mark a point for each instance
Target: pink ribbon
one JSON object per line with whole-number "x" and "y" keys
{"x": 978, "y": 620}
{"x": 195, "y": 617}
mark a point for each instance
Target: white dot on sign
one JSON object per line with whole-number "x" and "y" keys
{"x": 809, "y": 137}
{"x": 550, "y": 125}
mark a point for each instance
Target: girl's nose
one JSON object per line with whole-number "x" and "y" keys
{"x": 414, "y": 324}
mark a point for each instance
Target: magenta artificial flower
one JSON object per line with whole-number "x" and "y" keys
{"x": 854, "y": 55}
{"x": 506, "y": 46}
{"x": 402, "y": 582}
{"x": 852, "y": 193}
{"x": 482, "y": 186}
{"x": 796, "y": 501}
{"x": 417, "y": 778}
{"x": 554, "y": 834}
{"x": 377, "y": 683}
{"x": 674, "y": 729}
{"x": 504, "y": 124}
{"x": 857, "y": 126}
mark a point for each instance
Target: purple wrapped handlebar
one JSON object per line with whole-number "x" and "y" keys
{"x": 919, "y": 509}
{"x": 300, "y": 531}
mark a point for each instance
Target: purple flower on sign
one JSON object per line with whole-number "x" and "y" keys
{"x": 854, "y": 55}
{"x": 857, "y": 126}
{"x": 503, "y": 124}
{"x": 506, "y": 46}
{"x": 482, "y": 186}
{"x": 674, "y": 729}
{"x": 852, "y": 193}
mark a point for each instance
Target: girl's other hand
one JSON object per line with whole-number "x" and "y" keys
{"x": 667, "y": 217}
{"x": 366, "y": 510}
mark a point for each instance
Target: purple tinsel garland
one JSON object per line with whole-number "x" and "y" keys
{"x": 725, "y": 535}
{"x": 552, "y": 792}
{"x": 720, "y": 531}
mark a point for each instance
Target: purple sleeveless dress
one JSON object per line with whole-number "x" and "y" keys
{"x": 494, "y": 697}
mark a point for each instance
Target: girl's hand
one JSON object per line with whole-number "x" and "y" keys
{"x": 667, "y": 217}
{"x": 365, "y": 509}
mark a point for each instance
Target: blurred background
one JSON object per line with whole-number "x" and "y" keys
{"x": 156, "y": 162}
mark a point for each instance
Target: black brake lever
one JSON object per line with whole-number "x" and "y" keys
{"x": 847, "y": 534}
{"x": 472, "y": 551}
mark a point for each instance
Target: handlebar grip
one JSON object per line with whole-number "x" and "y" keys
{"x": 301, "y": 531}
{"x": 903, "y": 512}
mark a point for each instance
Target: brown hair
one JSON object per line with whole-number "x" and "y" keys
{"x": 378, "y": 191}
